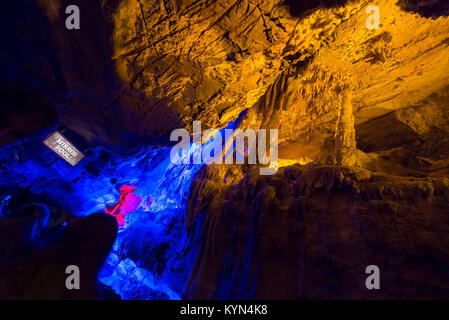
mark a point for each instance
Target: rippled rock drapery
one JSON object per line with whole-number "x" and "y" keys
{"x": 310, "y": 232}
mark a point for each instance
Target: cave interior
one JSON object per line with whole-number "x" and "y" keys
{"x": 361, "y": 175}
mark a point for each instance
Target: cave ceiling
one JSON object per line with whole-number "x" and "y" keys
{"x": 138, "y": 69}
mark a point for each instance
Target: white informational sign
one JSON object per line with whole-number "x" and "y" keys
{"x": 63, "y": 148}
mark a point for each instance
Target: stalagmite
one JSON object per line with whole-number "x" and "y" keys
{"x": 345, "y": 144}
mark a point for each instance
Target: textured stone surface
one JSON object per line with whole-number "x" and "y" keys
{"x": 152, "y": 66}
{"x": 309, "y": 233}
{"x": 374, "y": 102}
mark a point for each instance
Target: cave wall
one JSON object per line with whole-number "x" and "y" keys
{"x": 309, "y": 232}
{"x": 365, "y": 113}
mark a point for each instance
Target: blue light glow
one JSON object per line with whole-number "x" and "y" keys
{"x": 151, "y": 258}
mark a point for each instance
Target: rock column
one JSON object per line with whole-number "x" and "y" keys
{"x": 345, "y": 144}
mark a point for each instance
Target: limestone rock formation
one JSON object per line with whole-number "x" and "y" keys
{"x": 345, "y": 144}
{"x": 362, "y": 117}
{"x": 310, "y": 232}
{"x": 138, "y": 69}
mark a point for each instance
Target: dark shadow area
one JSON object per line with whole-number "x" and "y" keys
{"x": 28, "y": 55}
{"x": 39, "y": 240}
{"x": 38, "y": 243}
{"x": 23, "y": 111}
{"x": 384, "y": 133}
{"x": 426, "y": 8}
{"x": 299, "y": 7}
{"x": 30, "y": 74}
{"x": 70, "y": 74}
